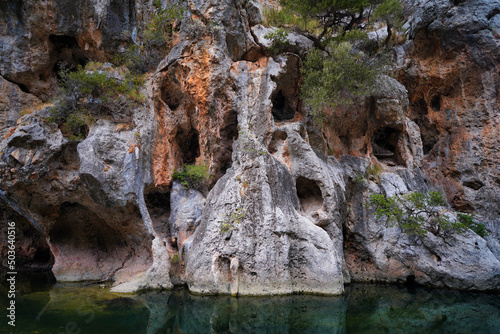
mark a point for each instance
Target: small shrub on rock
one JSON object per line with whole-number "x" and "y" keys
{"x": 192, "y": 176}
{"x": 417, "y": 213}
{"x": 279, "y": 39}
{"x": 94, "y": 91}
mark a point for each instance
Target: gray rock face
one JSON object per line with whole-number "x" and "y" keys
{"x": 236, "y": 20}
{"x": 12, "y": 102}
{"x": 376, "y": 252}
{"x": 187, "y": 206}
{"x": 454, "y": 100}
{"x": 262, "y": 230}
{"x": 39, "y": 37}
{"x": 298, "y": 44}
{"x": 285, "y": 215}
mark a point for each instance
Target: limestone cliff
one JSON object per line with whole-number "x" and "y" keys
{"x": 284, "y": 211}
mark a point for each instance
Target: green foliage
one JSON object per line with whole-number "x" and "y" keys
{"x": 360, "y": 178}
{"x": 232, "y": 219}
{"x": 174, "y": 258}
{"x": 279, "y": 38}
{"x": 374, "y": 171}
{"x": 417, "y": 213}
{"x": 159, "y": 30}
{"x": 340, "y": 16}
{"x": 334, "y": 79}
{"x": 389, "y": 11}
{"x": 466, "y": 221}
{"x": 192, "y": 176}
{"x": 278, "y": 17}
{"x": 155, "y": 40}
{"x": 336, "y": 17}
{"x": 91, "y": 92}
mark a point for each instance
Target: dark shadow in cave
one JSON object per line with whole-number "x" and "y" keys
{"x": 385, "y": 145}
{"x": 189, "y": 145}
{"x": 283, "y": 108}
{"x": 309, "y": 194}
{"x": 68, "y": 55}
{"x": 158, "y": 204}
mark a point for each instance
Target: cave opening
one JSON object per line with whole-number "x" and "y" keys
{"x": 309, "y": 194}
{"x": 228, "y": 134}
{"x": 285, "y": 98}
{"x": 411, "y": 281}
{"x": 277, "y": 140}
{"x": 385, "y": 145}
{"x": 158, "y": 204}
{"x": 68, "y": 54}
{"x": 189, "y": 145}
{"x": 32, "y": 252}
{"x": 23, "y": 88}
{"x": 436, "y": 103}
{"x": 172, "y": 95}
{"x": 428, "y": 131}
{"x": 282, "y": 108}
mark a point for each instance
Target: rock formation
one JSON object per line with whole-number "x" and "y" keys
{"x": 284, "y": 211}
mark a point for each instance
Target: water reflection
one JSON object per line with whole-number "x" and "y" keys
{"x": 75, "y": 308}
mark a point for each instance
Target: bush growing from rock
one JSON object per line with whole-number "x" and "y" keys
{"x": 154, "y": 40}
{"x": 94, "y": 91}
{"x": 279, "y": 39}
{"x": 336, "y": 77}
{"x": 417, "y": 213}
{"x": 192, "y": 176}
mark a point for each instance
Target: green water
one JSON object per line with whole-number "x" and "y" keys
{"x": 45, "y": 307}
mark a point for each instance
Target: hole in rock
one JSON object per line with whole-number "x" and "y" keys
{"x": 172, "y": 95}
{"x": 474, "y": 184}
{"x": 92, "y": 245}
{"x": 428, "y": 131}
{"x": 282, "y": 109}
{"x": 491, "y": 14}
{"x": 309, "y": 194}
{"x": 158, "y": 204}
{"x": 436, "y": 103}
{"x": 23, "y": 88}
{"x": 385, "y": 143}
{"x": 228, "y": 134}
{"x": 67, "y": 54}
{"x": 410, "y": 280}
{"x": 63, "y": 41}
{"x": 31, "y": 249}
{"x": 286, "y": 96}
{"x": 188, "y": 144}
{"x": 277, "y": 141}
{"x": 79, "y": 227}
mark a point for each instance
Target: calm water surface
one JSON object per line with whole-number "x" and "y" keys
{"x": 45, "y": 307}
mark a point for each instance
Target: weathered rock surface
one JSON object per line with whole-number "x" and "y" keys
{"x": 39, "y": 37}
{"x": 12, "y": 102}
{"x": 287, "y": 212}
{"x": 376, "y": 252}
{"x": 453, "y": 83}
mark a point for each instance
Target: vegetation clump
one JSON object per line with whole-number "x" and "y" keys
{"x": 192, "y": 176}
{"x": 417, "y": 213}
{"x": 336, "y": 77}
{"x": 94, "y": 91}
{"x": 232, "y": 219}
{"x": 335, "y": 71}
{"x": 153, "y": 42}
{"x": 279, "y": 40}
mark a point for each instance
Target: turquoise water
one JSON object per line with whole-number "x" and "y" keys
{"x": 44, "y": 307}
